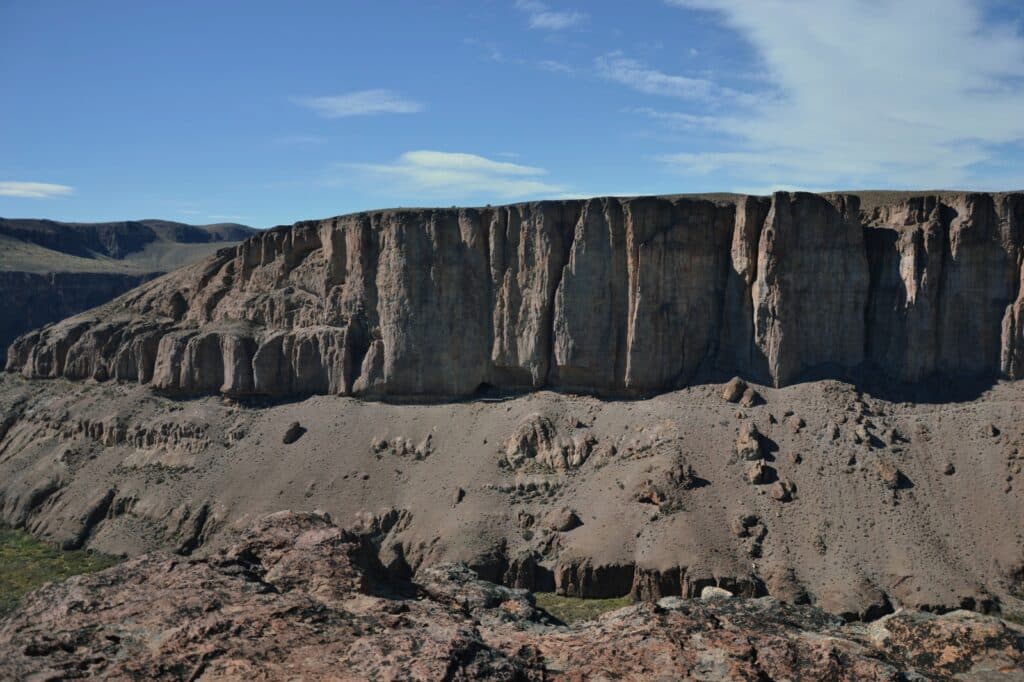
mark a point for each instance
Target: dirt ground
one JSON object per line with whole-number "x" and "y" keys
{"x": 849, "y": 501}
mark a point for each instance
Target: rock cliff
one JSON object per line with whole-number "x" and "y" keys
{"x": 613, "y": 296}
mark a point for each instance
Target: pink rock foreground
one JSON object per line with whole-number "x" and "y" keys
{"x": 299, "y": 598}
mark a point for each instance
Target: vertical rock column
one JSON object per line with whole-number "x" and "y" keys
{"x": 678, "y": 254}
{"x": 812, "y": 285}
{"x": 591, "y": 303}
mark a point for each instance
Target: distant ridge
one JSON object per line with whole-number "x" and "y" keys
{"x": 50, "y": 270}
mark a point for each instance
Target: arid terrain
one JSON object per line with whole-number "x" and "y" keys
{"x": 808, "y": 403}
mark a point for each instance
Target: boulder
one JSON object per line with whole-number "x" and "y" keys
{"x": 748, "y": 443}
{"x": 734, "y": 390}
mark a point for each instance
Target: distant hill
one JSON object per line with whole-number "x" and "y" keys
{"x": 131, "y": 246}
{"x": 50, "y": 270}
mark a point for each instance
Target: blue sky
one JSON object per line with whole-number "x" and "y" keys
{"x": 269, "y": 112}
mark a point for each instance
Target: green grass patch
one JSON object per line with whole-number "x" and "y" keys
{"x": 575, "y": 609}
{"x": 27, "y": 563}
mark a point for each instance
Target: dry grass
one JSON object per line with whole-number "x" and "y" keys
{"x": 574, "y": 609}
{"x": 27, "y": 563}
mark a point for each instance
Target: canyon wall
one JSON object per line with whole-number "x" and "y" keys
{"x": 613, "y": 296}
{"x": 34, "y": 299}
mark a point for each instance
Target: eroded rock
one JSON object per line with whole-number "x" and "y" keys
{"x": 298, "y": 597}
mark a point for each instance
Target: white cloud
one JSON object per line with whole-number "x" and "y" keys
{"x": 680, "y": 120}
{"x": 634, "y": 74}
{"x": 543, "y": 17}
{"x": 33, "y": 190}
{"x": 360, "y": 103}
{"x": 555, "y": 66}
{"x": 870, "y": 93}
{"x": 448, "y": 175}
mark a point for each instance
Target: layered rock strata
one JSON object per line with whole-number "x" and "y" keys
{"x": 614, "y": 296}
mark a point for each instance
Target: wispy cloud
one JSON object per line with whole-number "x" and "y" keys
{"x": 33, "y": 190}
{"x": 555, "y": 66}
{"x": 449, "y": 175}
{"x": 679, "y": 120}
{"x": 856, "y": 103}
{"x": 492, "y": 51}
{"x": 360, "y": 103}
{"x": 543, "y": 17}
{"x": 299, "y": 140}
{"x": 617, "y": 67}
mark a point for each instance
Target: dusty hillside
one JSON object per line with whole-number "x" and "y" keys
{"x": 849, "y": 501}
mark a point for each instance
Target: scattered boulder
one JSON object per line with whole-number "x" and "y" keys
{"x": 524, "y": 519}
{"x": 666, "y": 489}
{"x": 990, "y": 430}
{"x": 403, "y": 447}
{"x": 796, "y": 424}
{"x": 949, "y": 469}
{"x": 748, "y": 443}
{"x": 294, "y": 432}
{"x": 733, "y": 391}
{"x": 741, "y": 525}
{"x": 712, "y": 593}
{"x": 783, "y": 490}
{"x": 457, "y": 497}
{"x": 755, "y": 473}
{"x": 861, "y": 434}
{"x": 563, "y": 520}
{"x": 890, "y": 475}
{"x": 536, "y": 441}
{"x": 751, "y": 398}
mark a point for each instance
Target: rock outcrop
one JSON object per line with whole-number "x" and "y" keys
{"x": 297, "y": 598}
{"x": 613, "y": 296}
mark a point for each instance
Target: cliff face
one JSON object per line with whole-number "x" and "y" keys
{"x": 620, "y": 296}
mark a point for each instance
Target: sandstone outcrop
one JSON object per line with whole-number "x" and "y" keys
{"x": 614, "y": 296}
{"x": 298, "y": 598}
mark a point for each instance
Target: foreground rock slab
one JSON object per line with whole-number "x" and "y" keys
{"x": 299, "y": 598}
